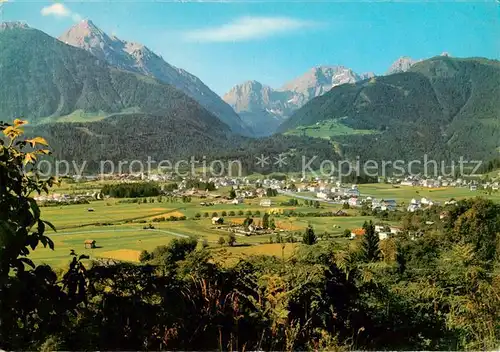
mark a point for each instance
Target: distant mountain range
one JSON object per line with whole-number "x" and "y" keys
{"x": 264, "y": 108}
{"x": 135, "y": 57}
{"x": 444, "y": 107}
{"x": 101, "y": 96}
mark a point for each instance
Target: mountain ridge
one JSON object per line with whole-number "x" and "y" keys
{"x": 264, "y": 108}
{"x": 138, "y": 58}
{"x": 51, "y": 79}
{"x": 435, "y": 108}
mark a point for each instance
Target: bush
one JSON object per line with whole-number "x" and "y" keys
{"x": 144, "y": 256}
{"x": 221, "y": 241}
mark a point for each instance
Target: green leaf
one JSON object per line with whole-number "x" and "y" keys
{"x": 34, "y": 208}
{"x": 50, "y": 242}
{"x": 27, "y": 261}
{"x": 49, "y": 224}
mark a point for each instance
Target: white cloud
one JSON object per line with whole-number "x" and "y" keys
{"x": 59, "y": 10}
{"x": 248, "y": 28}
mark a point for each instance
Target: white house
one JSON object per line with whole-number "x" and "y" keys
{"x": 383, "y": 236}
{"x": 265, "y": 202}
{"x": 322, "y": 195}
{"x": 424, "y": 201}
{"x": 395, "y": 230}
{"x": 412, "y": 208}
{"x": 354, "y": 202}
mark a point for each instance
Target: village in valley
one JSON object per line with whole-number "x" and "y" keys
{"x": 240, "y": 215}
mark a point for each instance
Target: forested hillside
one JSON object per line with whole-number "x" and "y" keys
{"x": 139, "y": 136}
{"x": 45, "y": 80}
{"x": 435, "y": 285}
{"x": 443, "y": 107}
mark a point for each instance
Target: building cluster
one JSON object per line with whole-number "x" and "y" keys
{"x": 57, "y": 198}
{"x": 438, "y": 182}
{"x": 382, "y": 230}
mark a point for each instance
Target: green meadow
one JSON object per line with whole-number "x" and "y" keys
{"x": 117, "y": 227}
{"x": 326, "y": 129}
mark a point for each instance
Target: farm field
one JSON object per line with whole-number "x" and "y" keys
{"x": 117, "y": 227}
{"x": 406, "y": 193}
{"x": 117, "y": 237}
{"x": 124, "y": 241}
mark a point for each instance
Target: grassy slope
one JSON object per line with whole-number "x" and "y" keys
{"x": 327, "y": 129}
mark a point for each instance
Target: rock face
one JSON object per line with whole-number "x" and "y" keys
{"x": 13, "y": 25}
{"x": 403, "y": 64}
{"x": 136, "y": 57}
{"x": 264, "y": 108}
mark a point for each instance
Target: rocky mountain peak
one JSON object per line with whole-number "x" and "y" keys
{"x": 13, "y": 25}
{"x": 136, "y": 57}
{"x": 402, "y": 64}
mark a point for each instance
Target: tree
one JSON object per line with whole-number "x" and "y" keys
{"x": 316, "y": 204}
{"x": 21, "y": 227}
{"x": 205, "y": 214}
{"x": 370, "y": 246}
{"x": 265, "y": 221}
{"x": 221, "y": 241}
{"x": 224, "y": 213}
{"x": 214, "y": 214}
{"x": 175, "y": 251}
{"x": 144, "y": 256}
{"x": 247, "y": 222}
{"x": 232, "y": 213}
{"x": 272, "y": 224}
{"x": 232, "y": 193}
{"x": 270, "y": 192}
{"x": 309, "y": 237}
{"x": 231, "y": 239}
{"x": 347, "y": 233}
{"x": 197, "y": 215}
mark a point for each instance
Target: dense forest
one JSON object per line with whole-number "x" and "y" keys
{"x": 119, "y": 139}
{"x": 444, "y": 107}
{"x": 434, "y": 286}
{"x": 131, "y": 190}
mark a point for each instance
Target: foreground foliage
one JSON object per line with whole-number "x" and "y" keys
{"x": 433, "y": 287}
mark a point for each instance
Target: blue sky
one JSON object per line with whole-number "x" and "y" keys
{"x": 226, "y": 43}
